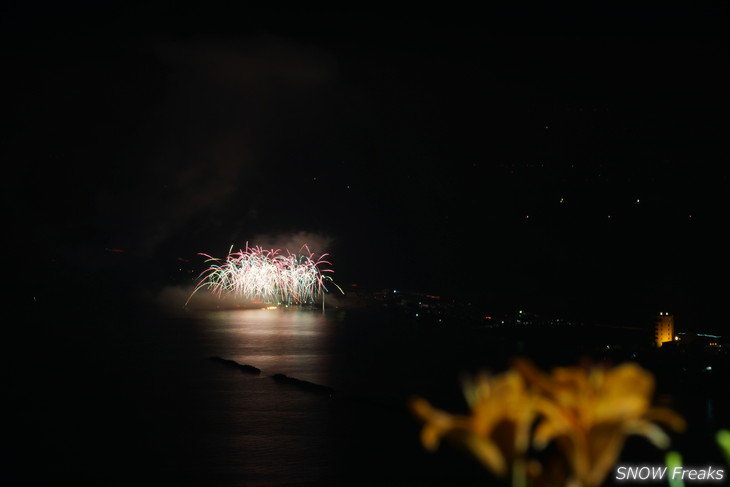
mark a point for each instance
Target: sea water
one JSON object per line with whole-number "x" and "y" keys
{"x": 136, "y": 399}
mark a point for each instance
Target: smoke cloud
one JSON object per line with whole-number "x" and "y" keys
{"x": 316, "y": 243}
{"x": 197, "y": 165}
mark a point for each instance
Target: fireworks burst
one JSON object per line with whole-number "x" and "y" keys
{"x": 267, "y": 276}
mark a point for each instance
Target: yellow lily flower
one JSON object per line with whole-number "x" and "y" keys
{"x": 586, "y": 412}
{"x": 589, "y": 413}
{"x": 497, "y": 431}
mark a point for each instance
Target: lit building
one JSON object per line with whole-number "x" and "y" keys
{"x": 664, "y": 328}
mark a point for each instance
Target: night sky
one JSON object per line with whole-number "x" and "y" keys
{"x": 560, "y": 159}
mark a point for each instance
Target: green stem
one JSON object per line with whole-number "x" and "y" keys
{"x": 673, "y": 459}
{"x": 519, "y": 473}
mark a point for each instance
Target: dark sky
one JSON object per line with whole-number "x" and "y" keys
{"x": 566, "y": 159}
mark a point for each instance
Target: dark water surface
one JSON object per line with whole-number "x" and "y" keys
{"x": 136, "y": 400}
{"x": 103, "y": 400}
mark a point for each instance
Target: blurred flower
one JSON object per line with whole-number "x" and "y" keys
{"x": 497, "y": 431}
{"x": 586, "y": 412}
{"x": 591, "y": 411}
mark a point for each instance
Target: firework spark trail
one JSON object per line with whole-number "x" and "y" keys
{"x": 267, "y": 276}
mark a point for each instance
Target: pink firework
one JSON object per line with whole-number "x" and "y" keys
{"x": 267, "y": 276}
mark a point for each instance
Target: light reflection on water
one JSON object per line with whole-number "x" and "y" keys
{"x": 291, "y": 342}
{"x": 275, "y": 434}
{"x": 253, "y": 430}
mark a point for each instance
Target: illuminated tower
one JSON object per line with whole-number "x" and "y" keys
{"x": 663, "y": 328}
